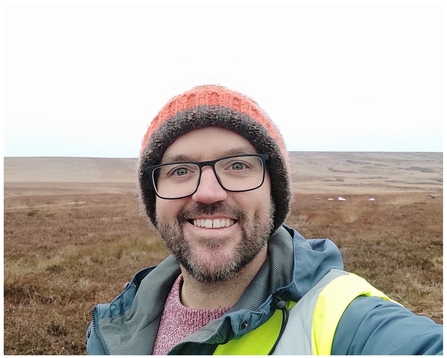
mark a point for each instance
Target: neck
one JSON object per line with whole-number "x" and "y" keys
{"x": 201, "y": 295}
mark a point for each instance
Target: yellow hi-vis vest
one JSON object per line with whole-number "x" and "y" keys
{"x": 312, "y": 321}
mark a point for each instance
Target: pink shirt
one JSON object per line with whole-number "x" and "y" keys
{"x": 178, "y": 321}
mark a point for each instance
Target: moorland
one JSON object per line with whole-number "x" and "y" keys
{"x": 74, "y": 234}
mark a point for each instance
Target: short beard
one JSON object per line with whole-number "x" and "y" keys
{"x": 255, "y": 236}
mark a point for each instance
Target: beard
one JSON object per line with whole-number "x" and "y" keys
{"x": 254, "y": 233}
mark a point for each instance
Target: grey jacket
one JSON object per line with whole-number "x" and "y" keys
{"x": 370, "y": 325}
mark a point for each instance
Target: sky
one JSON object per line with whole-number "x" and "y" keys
{"x": 84, "y": 79}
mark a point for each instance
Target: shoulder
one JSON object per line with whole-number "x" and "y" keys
{"x": 371, "y": 325}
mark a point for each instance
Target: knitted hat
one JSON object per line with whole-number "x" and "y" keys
{"x": 216, "y": 106}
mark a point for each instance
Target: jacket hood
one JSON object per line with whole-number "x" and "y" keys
{"x": 293, "y": 267}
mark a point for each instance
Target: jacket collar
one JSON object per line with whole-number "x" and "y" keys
{"x": 294, "y": 265}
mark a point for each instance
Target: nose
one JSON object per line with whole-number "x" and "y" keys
{"x": 209, "y": 190}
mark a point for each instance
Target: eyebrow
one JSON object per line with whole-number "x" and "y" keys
{"x": 227, "y": 153}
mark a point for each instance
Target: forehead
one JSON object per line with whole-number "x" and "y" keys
{"x": 207, "y": 144}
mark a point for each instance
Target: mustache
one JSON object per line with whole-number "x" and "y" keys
{"x": 210, "y": 209}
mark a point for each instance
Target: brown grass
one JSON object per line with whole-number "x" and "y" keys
{"x": 395, "y": 242}
{"x": 69, "y": 246}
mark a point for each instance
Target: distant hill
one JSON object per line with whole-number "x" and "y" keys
{"x": 351, "y": 172}
{"x": 68, "y": 169}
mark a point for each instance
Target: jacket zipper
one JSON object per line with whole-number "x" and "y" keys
{"x": 96, "y": 333}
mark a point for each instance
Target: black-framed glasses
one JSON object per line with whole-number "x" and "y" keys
{"x": 236, "y": 173}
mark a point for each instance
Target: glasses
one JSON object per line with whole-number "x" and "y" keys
{"x": 236, "y": 174}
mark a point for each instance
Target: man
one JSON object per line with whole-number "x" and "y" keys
{"x": 214, "y": 181}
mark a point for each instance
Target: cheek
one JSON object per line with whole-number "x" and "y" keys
{"x": 165, "y": 210}
{"x": 258, "y": 201}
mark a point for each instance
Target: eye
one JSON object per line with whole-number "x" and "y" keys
{"x": 179, "y": 171}
{"x": 238, "y": 166}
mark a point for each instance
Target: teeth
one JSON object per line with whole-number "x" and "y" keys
{"x": 208, "y": 224}
{"x": 213, "y": 224}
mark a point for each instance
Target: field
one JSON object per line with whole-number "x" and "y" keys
{"x": 73, "y": 235}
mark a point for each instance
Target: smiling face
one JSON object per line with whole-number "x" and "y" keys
{"x": 214, "y": 233}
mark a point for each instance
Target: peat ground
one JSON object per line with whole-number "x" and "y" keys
{"x": 73, "y": 235}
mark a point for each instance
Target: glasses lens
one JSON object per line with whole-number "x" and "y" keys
{"x": 240, "y": 173}
{"x": 176, "y": 180}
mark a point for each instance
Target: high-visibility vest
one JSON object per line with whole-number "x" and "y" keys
{"x": 312, "y": 320}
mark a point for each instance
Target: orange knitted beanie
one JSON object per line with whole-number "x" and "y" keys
{"x": 212, "y": 105}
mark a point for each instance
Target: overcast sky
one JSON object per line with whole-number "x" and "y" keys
{"x": 86, "y": 79}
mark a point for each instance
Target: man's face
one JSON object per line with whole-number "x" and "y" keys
{"x": 214, "y": 233}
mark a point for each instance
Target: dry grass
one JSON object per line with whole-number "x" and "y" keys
{"x": 396, "y": 242}
{"x": 63, "y": 254}
{"x": 70, "y": 246}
